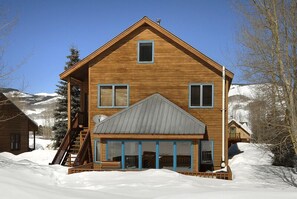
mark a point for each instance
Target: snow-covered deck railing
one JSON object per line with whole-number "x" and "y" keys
{"x": 218, "y": 175}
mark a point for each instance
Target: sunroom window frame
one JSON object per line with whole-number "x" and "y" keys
{"x": 138, "y": 51}
{"x": 113, "y": 95}
{"x": 201, "y": 95}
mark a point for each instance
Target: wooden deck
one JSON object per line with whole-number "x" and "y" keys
{"x": 115, "y": 167}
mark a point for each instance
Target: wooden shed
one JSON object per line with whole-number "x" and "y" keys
{"x": 15, "y": 127}
{"x": 163, "y": 99}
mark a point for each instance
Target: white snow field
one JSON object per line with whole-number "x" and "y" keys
{"x": 28, "y": 176}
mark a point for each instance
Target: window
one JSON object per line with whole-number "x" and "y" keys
{"x": 15, "y": 141}
{"x": 206, "y": 152}
{"x": 232, "y": 130}
{"x": 201, "y": 95}
{"x": 113, "y": 96}
{"x": 146, "y": 154}
{"x": 97, "y": 151}
{"x": 184, "y": 156}
{"x": 145, "y": 52}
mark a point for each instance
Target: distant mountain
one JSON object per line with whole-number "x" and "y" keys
{"x": 39, "y": 107}
{"x": 240, "y": 96}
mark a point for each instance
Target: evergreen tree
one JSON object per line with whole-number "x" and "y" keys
{"x": 60, "y": 113}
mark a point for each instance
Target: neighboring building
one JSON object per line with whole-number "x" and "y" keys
{"x": 15, "y": 127}
{"x": 163, "y": 99}
{"x": 238, "y": 132}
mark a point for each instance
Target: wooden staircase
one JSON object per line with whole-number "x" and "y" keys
{"x": 75, "y": 148}
{"x": 71, "y": 144}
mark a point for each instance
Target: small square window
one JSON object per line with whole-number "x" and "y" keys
{"x": 113, "y": 96}
{"x": 145, "y": 52}
{"x": 201, "y": 95}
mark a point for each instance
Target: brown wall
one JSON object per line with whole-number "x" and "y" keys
{"x": 170, "y": 74}
{"x": 16, "y": 125}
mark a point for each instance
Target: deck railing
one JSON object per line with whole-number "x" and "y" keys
{"x": 218, "y": 175}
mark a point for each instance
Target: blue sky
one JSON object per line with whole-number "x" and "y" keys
{"x": 46, "y": 29}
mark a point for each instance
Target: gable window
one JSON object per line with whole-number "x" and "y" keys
{"x": 145, "y": 52}
{"x": 201, "y": 95}
{"x": 232, "y": 130}
{"x": 15, "y": 141}
{"x": 113, "y": 95}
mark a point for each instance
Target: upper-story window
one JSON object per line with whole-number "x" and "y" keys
{"x": 145, "y": 52}
{"x": 113, "y": 95}
{"x": 201, "y": 95}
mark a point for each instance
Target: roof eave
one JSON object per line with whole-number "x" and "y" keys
{"x": 143, "y": 21}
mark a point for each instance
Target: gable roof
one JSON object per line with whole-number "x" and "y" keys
{"x": 145, "y": 21}
{"x": 153, "y": 115}
{"x": 4, "y": 101}
{"x": 244, "y": 127}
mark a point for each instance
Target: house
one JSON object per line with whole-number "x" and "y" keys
{"x": 15, "y": 127}
{"x": 163, "y": 101}
{"x": 238, "y": 132}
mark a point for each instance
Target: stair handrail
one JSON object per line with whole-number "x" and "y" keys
{"x": 66, "y": 141}
{"x": 86, "y": 145}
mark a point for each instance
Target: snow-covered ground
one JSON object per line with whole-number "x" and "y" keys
{"x": 28, "y": 175}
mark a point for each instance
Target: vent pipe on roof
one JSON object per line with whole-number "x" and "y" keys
{"x": 158, "y": 21}
{"x": 223, "y": 165}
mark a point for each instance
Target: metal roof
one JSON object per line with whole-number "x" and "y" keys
{"x": 153, "y": 115}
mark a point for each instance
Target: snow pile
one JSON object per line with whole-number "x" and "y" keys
{"x": 40, "y": 143}
{"x": 29, "y": 176}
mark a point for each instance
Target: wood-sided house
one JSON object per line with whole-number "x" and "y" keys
{"x": 15, "y": 127}
{"x": 238, "y": 132}
{"x": 163, "y": 100}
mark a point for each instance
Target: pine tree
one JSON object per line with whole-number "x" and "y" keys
{"x": 60, "y": 114}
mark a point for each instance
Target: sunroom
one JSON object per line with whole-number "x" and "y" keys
{"x": 153, "y": 133}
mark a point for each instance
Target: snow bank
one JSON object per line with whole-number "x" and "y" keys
{"x": 252, "y": 168}
{"x": 27, "y": 176}
{"x": 41, "y": 143}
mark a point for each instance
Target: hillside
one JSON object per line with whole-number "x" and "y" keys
{"x": 254, "y": 177}
{"x": 240, "y": 96}
{"x": 39, "y": 107}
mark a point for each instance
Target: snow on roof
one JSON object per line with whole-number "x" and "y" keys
{"x": 244, "y": 126}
